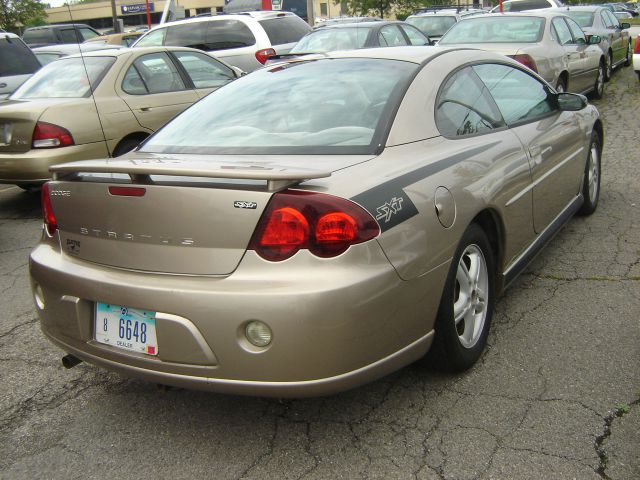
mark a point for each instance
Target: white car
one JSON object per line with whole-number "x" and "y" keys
{"x": 636, "y": 57}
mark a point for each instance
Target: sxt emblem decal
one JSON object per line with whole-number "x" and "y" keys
{"x": 393, "y": 206}
{"x": 249, "y": 205}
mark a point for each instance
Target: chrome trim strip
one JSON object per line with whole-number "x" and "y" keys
{"x": 532, "y": 185}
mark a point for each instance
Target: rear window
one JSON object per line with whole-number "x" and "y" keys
{"x": 332, "y": 39}
{"x": 433, "y": 26}
{"x": 65, "y": 78}
{"x": 44, "y": 35}
{"x": 211, "y": 35}
{"x": 495, "y": 29}
{"x": 584, "y": 19}
{"x": 319, "y": 107}
{"x": 522, "y": 5}
{"x": 282, "y": 30}
{"x": 16, "y": 58}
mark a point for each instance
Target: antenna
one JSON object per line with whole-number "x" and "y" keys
{"x": 86, "y": 72}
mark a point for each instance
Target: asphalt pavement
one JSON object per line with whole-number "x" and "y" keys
{"x": 555, "y": 396}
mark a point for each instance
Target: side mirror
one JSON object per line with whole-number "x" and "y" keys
{"x": 571, "y": 102}
{"x": 624, "y": 26}
{"x": 239, "y": 72}
{"x": 593, "y": 39}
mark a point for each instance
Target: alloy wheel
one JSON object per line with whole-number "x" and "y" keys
{"x": 593, "y": 172}
{"x": 470, "y": 298}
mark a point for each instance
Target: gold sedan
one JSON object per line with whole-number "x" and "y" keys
{"x": 101, "y": 104}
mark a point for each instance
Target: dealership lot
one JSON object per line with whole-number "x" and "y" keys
{"x": 557, "y": 394}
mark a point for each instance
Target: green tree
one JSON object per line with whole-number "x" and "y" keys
{"x": 18, "y": 13}
{"x": 383, "y": 8}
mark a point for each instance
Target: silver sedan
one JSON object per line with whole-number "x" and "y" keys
{"x": 549, "y": 43}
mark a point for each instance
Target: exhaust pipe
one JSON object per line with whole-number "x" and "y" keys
{"x": 70, "y": 361}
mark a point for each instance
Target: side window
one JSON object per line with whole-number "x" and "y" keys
{"x": 576, "y": 30}
{"x": 519, "y": 96}
{"x": 614, "y": 22}
{"x": 68, "y": 35}
{"x": 464, "y": 107}
{"x": 152, "y": 73}
{"x": 563, "y": 34}
{"x": 392, "y": 36}
{"x": 187, "y": 35}
{"x": 224, "y": 34}
{"x": 605, "y": 19}
{"x": 154, "y": 38}
{"x": 416, "y": 37}
{"x": 86, "y": 33}
{"x": 204, "y": 71}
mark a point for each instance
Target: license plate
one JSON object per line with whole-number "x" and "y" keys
{"x": 127, "y": 328}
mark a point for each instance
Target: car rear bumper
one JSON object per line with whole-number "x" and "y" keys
{"x": 336, "y": 324}
{"x": 33, "y": 166}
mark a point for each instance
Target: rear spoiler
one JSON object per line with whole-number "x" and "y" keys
{"x": 140, "y": 171}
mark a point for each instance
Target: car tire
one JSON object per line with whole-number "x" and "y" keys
{"x": 469, "y": 295}
{"x": 608, "y": 67}
{"x": 561, "y": 86}
{"x": 591, "y": 181}
{"x": 125, "y": 146}
{"x": 598, "y": 87}
{"x": 627, "y": 58}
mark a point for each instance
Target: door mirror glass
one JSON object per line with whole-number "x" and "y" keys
{"x": 624, "y": 26}
{"x": 594, "y": 39}
{"x": 571, "y": 102}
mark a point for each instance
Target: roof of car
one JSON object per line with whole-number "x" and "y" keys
{"x": 48, "y": 27}
{"x": 412, "y": 54}
{"x": 446, "y": 12}
{"x": 115, "y": 51}
{"x": 232, "y": 16}
{"x": 372, "y": 23}
{"x": 8, "y": 34}
{"x": 583, "y": 8}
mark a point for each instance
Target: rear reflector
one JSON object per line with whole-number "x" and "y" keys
{"x": 637, "y": 47}
{"x": 323, "y": 224}
{"x": 50, "y": 222}
{"x": 128, "y": 191}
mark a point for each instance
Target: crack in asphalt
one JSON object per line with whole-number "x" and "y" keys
{"x": 619, "y": 412}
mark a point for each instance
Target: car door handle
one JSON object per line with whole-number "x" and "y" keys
{"x": 538, "y": 152}
{"x": 145, "y": 109}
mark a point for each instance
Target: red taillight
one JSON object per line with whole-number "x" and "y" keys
{"x": 264, "y": 54}
{"x": 526, "y": 60}
{"x": 636, "y": 49}
{"x": 50, "y": 222}
{"x": 323, "y": 224}
{"x": 48, "y": 135}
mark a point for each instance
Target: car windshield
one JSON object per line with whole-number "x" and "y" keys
{"x": 495, "y": 29}
{"x": 584, "y": 19}
{"x": 433, "y": 26}
{"x": 331, "y": 39}
{"x": 315, "y": 107}
{"x": 65, "y": 78}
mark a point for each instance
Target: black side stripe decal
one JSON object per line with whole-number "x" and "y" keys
{"x": 388, "y": 202}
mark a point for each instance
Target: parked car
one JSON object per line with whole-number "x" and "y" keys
{"x": 53, "y": 117}
{"x": 636, "y": 57}
{"x": 245, "y": 41}
{"x": 550, "y": 43}
{"x": 17, "y": 63}
{"x": 330, "y": 220}
{"x": 124, "y": 39}
{"x": 58, "y": 34}
{"x": 526, "y": 5}
{"x": 350, "y": 36}
{"x": 616, "y": 40}
{"x": 50, "y": 53}
{"x": 434, "y": 23}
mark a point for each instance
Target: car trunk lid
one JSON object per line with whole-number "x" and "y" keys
{"x": 167, "y": 214}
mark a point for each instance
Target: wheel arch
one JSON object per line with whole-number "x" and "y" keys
{"x": 491, "y": 223}
{"x": 137, "y": 136}
{"x": 599, "y": 129}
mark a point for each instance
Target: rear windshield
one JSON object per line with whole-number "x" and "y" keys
{"x": 522, "y": 5}
{"x": 495, "y": 29}
{"x": 65, "y": 78}
{"x": 281, "y": 30}
{"x": 433, "y": 26}
{"x": 584, "y": 19}
{"x": 16, "y": 58}
{"x": 332, "y": 39}
{"x": 315, "y": 107}
{"x": 209, "y": 35}
{"x": 44, "y": 35}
